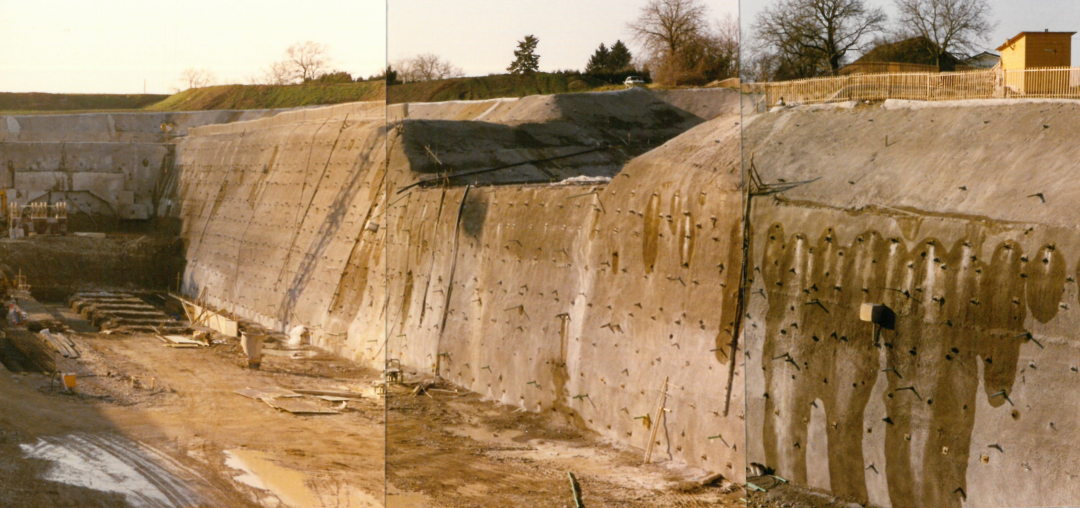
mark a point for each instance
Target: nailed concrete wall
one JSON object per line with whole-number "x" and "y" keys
{"x": 576, "y": 299}
{"x": 275, "y": 213}
{"x": 960, "y": 218}
{"x": 581, "y": 299}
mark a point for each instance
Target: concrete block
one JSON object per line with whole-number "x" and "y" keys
{"x": 125, "y": 198}
{"x": 133, "y": 212}
{"x": 106, "y": 186}
{"x": 41, "y": 180}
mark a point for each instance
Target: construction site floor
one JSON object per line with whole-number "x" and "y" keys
{"x": 156, "y": 426}
{"x": 166, "y": 421}
{"x": 448, "y": 448}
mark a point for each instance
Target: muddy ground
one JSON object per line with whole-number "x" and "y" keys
{"x": 149, "y": 425}
{"x": 450, "y": 449}
{"x": 776, "y": 492}
{"x": 171, "y": 415}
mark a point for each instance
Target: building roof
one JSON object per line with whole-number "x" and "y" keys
{"x": 1022, "y": 34}
{"x": 916, "y": 50}
{"x": 985, "y": 60}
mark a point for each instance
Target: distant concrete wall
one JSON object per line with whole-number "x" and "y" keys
{"x": 960, "y": 218}
{"x": 113, "y": 164}
{"x": 123, "y": 176}
{"x": 117, "y": 127}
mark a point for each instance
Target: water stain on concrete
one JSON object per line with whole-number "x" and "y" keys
{"x": 954, "y": 313}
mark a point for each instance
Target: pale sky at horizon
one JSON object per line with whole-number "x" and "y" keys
{"x": 73, "y": 46}
{"x": 480, "y": 35}
{"x": 1013, "y": 17}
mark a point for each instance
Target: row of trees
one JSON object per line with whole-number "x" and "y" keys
{"x": 795, "y": 39}
{"x": 302, "y": 62}
{"x": 681, "y": 45}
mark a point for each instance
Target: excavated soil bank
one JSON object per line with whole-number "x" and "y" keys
{"x": 58, "y": 266}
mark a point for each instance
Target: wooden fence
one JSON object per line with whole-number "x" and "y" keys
{"x": 1061, "y": 82}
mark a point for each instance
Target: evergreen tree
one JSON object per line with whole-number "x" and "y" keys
{"x": 620, "y": 57}
{"x": 391, "y": 76}
{"x": 600, "y": 61}
{"x": 526, "y": 61}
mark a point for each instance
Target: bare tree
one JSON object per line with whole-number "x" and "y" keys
{"x": 426, "y": 67}
{"x": 808, "y": 36}
{"x": 666, "y": 27}
{"x": 680, "y": 44}
{"x": 277, "y": 73}
{"x": 308, "y": 59}
{"x": 947, "y": 26}
{"x": 196, "y": 78}
{"x": 725, "y": 37}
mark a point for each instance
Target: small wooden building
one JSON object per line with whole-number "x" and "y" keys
{"x": 1035, "y": 50}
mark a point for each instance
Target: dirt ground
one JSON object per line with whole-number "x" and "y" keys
{"x": 780, "y": 494}
{"x": 453, "y": 450}
{"x": 150, "y": 425}
{"x": 172, "y": 416}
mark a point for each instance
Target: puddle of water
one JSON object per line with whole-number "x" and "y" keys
{"x": 260, "y": 473}
{"x": 290, "y": 486}
{"x": 145, "y": 476}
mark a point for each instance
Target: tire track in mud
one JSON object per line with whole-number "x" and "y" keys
{"x": 145, "y": 476}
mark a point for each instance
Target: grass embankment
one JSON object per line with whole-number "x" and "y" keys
{"x": 292, "y": 96}
{"x": 491, "y": 87}
{"x": 61, "y": 102}
{"x": 270, "y": 96}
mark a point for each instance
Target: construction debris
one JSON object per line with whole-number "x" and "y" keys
{"x": 329, "y": 393}
{"x": 60, "y": 343}
{"x": 124, "y": 312}
{"x": 295, "y": 406}
{"x": 201, "y": 315}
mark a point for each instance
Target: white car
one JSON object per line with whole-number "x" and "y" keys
{"x": 633, "y": 81}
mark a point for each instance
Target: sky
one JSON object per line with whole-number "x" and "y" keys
{"x": 126, "y": 46}
{"x": 480, "y": 36}
{"x": 1014, "y": 16}
{"x": 117, "y": 46}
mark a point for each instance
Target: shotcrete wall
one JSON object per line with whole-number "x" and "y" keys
{"x": 281, "y": 221}
{"x": 961, "y": 219}
{"x": 578, "y": 299}
{"x": 582, "y": 299}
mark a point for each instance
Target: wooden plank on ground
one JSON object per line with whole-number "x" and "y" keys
{"x": 299, "y": 407}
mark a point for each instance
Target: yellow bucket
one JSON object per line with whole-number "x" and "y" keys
{"x": 69, "y": 380}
